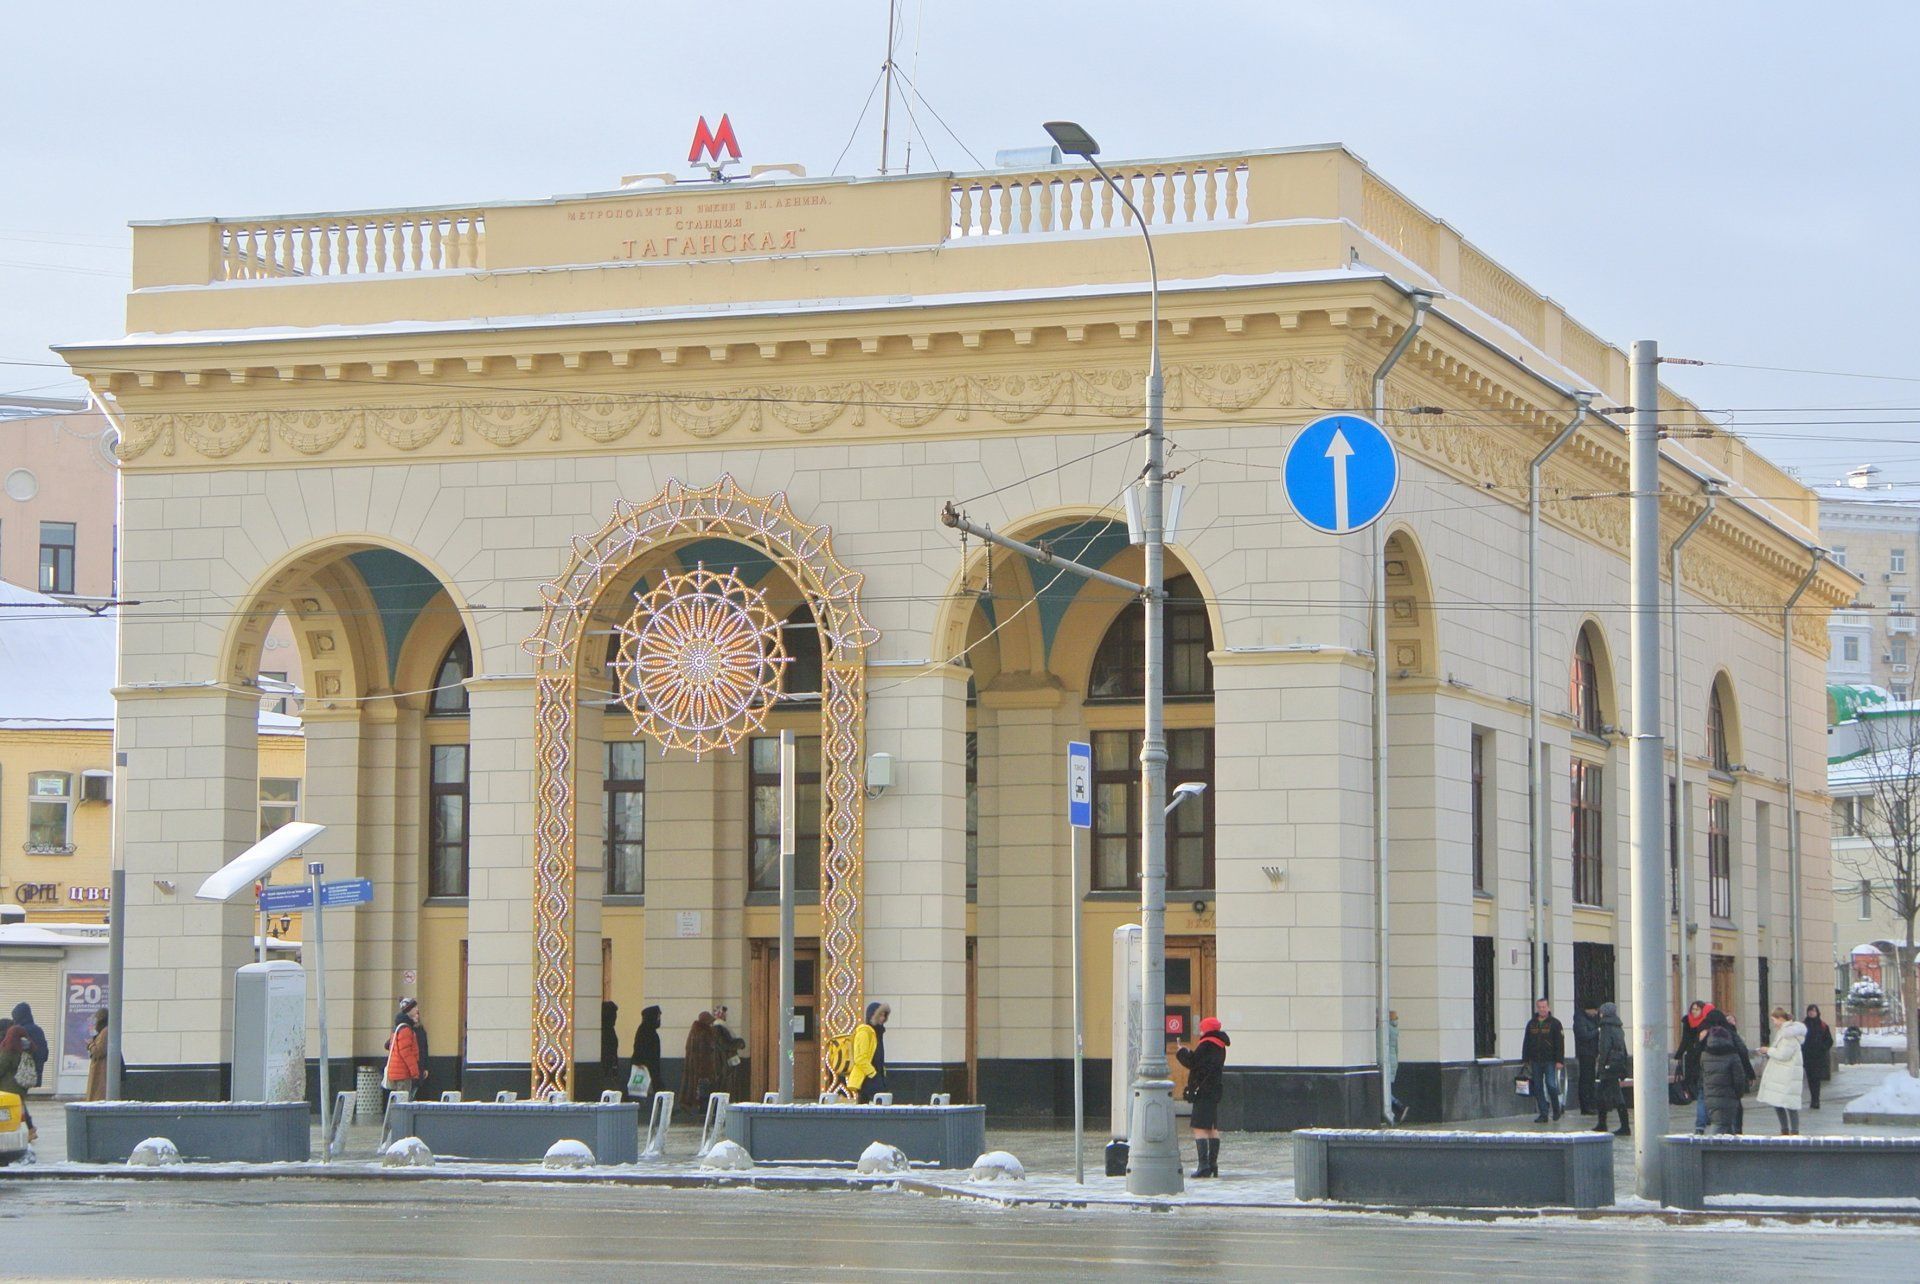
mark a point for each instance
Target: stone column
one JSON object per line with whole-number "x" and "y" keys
{"x": 500, "y": 885}
{"x": 191, "y": 805}
{"x": 1293, "y": 769}
{"x": 333, "y": 777}
{"x": 1430, "y": 825}
{"x": 916, "y": 878}
{"x": 390, "y": 854}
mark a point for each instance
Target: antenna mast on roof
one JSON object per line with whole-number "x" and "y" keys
{"x": 886, "y": 107}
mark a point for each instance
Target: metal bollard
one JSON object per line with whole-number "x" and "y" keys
{"x": 941, "y": 1099}
{"x": 386, "y": 1117}
{"x": 504, "y": 1098}
{"x": 336, "y": 1142}
{"x": 657, "y": 1125}
{"x": 881, "y": 1099}
{"x": 715, "y": 1127}
{"x": 612, "y": 1097}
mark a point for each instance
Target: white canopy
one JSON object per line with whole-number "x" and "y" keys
{"x": 255, "y": 863}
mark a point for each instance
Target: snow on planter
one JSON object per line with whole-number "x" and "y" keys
{"x": 154, "y": 1152}
{"x": 728, "y": 1156}
{"x": 407, "y": 1152}
{"x": 568, "y": 1154}
{"x": 882, "y": 1158}
{"x": 1898, "y": 1094}
{"x": 997, "y": 1165}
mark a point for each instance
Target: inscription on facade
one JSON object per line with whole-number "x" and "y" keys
{"x": 708, "y": 226}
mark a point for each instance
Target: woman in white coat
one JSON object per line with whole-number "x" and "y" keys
{"x": 1781, "y": 1082}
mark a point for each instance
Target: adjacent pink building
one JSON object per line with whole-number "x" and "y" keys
{"x": 57, "y": 520}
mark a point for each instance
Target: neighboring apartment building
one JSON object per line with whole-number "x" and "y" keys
{"x": 57, "y": 517}
{"x": 1873, "y": 529}
{"x": 1873, "y": 773}
{"x": 56, "y": 760}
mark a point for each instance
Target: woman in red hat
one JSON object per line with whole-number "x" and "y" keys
{"x": 1205, "y": 1061}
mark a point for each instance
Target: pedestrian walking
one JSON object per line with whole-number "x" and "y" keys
{"x": 1853, "y": 1043}
{"x": 36, "y": 1041}
{"x": 1786, "y": 1071}
{"x": 646, "y": 1053}
{"x": 1543, "y": 1049}
{"x": 609, "y": 1044}
{"x": 1723, "y": 1078}
{"x": 407, "y": 1051}
{"x": 1395, "y": 1110}
{"x": 1686, "y": 1060}
{"x": 1206, "y": 1062}
{"x": 731, "y": 1052}
{"x": 1746, "y": 1062}
{"x": 97, "y": 1057}
{"x": 16, "y": 1069}
{"x": 700, "y": 1070}
{"x": 1817, "y": 1052}
{"x": 868, "y": 1073}
{"x": 1586, "y": 1052}
{"x": 1613, "y": 1066}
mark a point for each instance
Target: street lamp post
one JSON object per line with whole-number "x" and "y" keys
{"x": 1153, "y": 1154}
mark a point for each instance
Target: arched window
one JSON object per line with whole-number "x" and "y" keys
{"x": 1583, "y": 691}
{"x": 449, "y": 698}
{"x": 1717, "y": 731}
{"x": 1119, "y": 666}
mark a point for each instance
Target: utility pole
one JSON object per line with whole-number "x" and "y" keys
{"x": 886, "y": 103}
{"x": 1647, "y": 779}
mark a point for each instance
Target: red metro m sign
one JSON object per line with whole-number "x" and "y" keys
{"x": 711, "y": 141}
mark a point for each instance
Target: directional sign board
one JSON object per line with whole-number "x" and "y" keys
{"x": 348, "y": 891}
{"x": 1080, "y": 784}
{"x": 285, "y": 898}
{"x": 1341, "y": 473}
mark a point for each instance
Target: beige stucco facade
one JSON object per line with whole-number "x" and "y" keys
{"x": 302, "y": 399}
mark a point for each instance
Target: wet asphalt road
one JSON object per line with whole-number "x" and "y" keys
{"x": 344, "y": 1230}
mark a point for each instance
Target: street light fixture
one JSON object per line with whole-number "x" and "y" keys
{"x": 1181, "y": 793}
{"x": 1153, "y": 1153}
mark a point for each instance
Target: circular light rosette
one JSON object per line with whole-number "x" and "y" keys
{"x": 700, "y": 661}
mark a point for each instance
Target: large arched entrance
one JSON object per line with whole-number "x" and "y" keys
{"x": 602, "y": 570}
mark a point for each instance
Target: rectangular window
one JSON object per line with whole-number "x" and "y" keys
{"x": 1850, "y": 648}
{"x": 973, "y": 812}
{"x": 279, "y": 803}
{"x": 1478, "y": 754}
{"x": 49, "y": 812}
{"x": 1866, "y": 898}
{"x": 1840, "y": 554}
{"x": 1898, "y": 599}
{"x": 447, "y": 822}
{"x": 1116, "y": 811}
{"x": 1899, "y": 646}
{"x": 1897, "y": 561}
{"x": 1845, "y": 824}
{"x": 1720, "y": 856}
{"x": 1485, "y": 1037}
{"x": 56, "y": 557}
{"x": 763, "y": 786}
{"x": 626, "y": 817}
{"x": 1901, "y": 693}
{"x": 1588, "y": 865}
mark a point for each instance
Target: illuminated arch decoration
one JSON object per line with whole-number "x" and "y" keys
{"x": 805, "y": 553}
{"x": 700, "y": 662}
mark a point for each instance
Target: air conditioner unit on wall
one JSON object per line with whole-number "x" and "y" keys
{"x": 96, "y": 786}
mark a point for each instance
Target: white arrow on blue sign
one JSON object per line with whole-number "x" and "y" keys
{"x": 1341, "y": 473}
{"x": 1079, "y": 784}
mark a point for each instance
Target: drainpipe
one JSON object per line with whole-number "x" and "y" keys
{"x": 1683, "y": 851}
{"x": 1537, "y": 786}
{"x": 1793, "y": 801}
{"x": 116, "y": 832}
{"x": 1422, "y": 301}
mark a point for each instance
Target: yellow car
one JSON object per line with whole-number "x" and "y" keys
{"x": 13, "y": 1129}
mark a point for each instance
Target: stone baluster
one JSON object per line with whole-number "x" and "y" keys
{"x": 1187, "y": 189}
{"x": 306, "y": 249}
{"x": 1106, "y": 204}
{"x": 1236, "y": 180}
{"x": 1006, "y": 207}
{"x": 358, "y": 262}
{"x": 382, "y": 236}
{"x": 1086, "y": 202}
{"x": 1146, "y": 198}
{"x": 1212, "y": 197}
{"x": 1169, "y": 209}
{"x": 1045, "y": 192}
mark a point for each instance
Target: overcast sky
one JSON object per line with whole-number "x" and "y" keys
{"x": 1737, "y": 180}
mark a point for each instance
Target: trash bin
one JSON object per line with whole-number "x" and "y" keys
{"x": 368, "y": 1095}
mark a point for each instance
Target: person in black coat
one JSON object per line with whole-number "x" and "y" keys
{"x": 1206, "y": 1062}
{"x": 1586, "y": 1051}
{"x": 1817, "y": 1051}
{"x": 1543, "y": 1049}
{"x": 609, "y": 1044}
{"x": 1613, "y": 1065}
{"x": 1725, "y": 1075}
{"x": 646, "y": 1044}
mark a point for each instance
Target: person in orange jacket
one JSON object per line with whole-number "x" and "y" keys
{"x": 407, "y": 1051}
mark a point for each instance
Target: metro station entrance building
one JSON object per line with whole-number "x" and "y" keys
{"x": 468, "y": 451}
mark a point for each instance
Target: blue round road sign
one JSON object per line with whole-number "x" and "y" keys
{"x": 1341, "y": 473}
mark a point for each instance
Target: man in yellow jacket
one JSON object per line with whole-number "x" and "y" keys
{"x": 868, "y": 1074}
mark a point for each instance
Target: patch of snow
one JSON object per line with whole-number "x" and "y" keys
{"x": 568, "y": 1154}
{"x": 1815, "y": 1201}
{"x": 882, "y": 1158}
{"x": 728, "y": 1156}
{"x": 406, "y": 1152}
{"x": 997, "y": 1165}
{"x": 1898, "y": 1094}
{"x": 154, "y": 1152}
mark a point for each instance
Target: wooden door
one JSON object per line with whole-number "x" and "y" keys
{"x": 1190, "y": 996}
{"x": 1726, "y": 993}
{"x": 764, "y": 998}
{"x": 462, "y": 1068}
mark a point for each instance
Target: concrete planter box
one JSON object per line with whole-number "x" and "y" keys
{"x": 944, "y": 1136}
{"x": 518, "y": 1131}
{"x": 1454, "y": 1169}
{"x": 251, "y": 1132}
{"x": 1837, "y": 1168}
